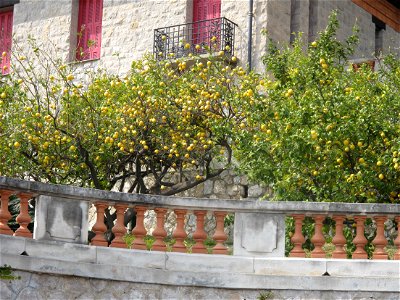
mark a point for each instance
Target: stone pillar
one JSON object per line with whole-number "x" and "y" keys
{"x": 259, "y": 234}
{"x": 61, "y": 219}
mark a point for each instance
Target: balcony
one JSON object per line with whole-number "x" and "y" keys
{"x": 196, "y": 38}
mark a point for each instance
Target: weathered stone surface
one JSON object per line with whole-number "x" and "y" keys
{"x": 125, "y": 268}
{"x": 61, "y": 219}
{"x": 5, "y": 290}
{"x": 220, "y": 187}
{"x": 293, "y": 266}
{"x": 150, "y": 221}
{"x": 11, "y": 244}
{"x": 255, "y": 191}
{"x": 190, "y": 224}
{"x": 28, "y": 293}
{"x": 209, "y": 224}
{"x": 359, "y": 268}
{"x": 124, "y": 290}
{"x": 259, "y": 234}
{"x": 60, "y": 250}
{"x": 208, "y": 187}
{"x": 215, "y": 263}
{"x": 16, "y": 286}
{"x": 128, "y": 257}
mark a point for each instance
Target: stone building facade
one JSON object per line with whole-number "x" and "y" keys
{"x": 127, "y": 33}
{"x": 128, "y": 26}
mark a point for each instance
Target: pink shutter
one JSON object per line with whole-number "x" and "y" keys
{"x": 81, "y": 51}
{"x": 204, "y": 10}
{"x": 89, "y": 24}
{"x": 215, "y": 9}
{"x": 96, "y": 29}
{"x": 6, "y": 23}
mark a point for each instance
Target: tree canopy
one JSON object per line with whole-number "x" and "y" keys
{"x": 162, "y": 128}
{"x": 322, "y": 129}
{"x": 313, "y": 127}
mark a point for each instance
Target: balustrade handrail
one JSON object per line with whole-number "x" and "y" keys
{"x": 260, "y": 206}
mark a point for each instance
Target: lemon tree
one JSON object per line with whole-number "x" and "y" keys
{"x": 319, "y": 130}
{"x": 162, "y": 128}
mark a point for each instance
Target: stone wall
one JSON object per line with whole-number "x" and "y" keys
{"x": 48, "y": 286}
{"x": 57, "y": 270}
{"x": 127, "y": 31}
{"x": 48, "y": 22}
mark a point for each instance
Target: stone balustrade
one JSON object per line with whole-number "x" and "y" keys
{"x": 61, "y": 214}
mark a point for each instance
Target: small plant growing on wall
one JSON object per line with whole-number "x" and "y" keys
{"x": 265, "y": 295}
{"x": 6, "y": 273}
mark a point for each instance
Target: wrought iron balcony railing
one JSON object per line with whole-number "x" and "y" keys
{"x": 197, "y": 38}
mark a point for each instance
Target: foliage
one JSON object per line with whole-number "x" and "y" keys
{"x": 321, "y": 131}
{"x": 314, "y": 128}
{"x": 265, "y": 295}
{"x": 6, "y": 273}
{"x": 162, "y": 128}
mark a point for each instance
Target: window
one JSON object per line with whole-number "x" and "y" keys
{"x": 89, "y": 29}
{"x": 6, "y": 23}
{"x": 206, "y": 9}
{"x": 203, "y": 30}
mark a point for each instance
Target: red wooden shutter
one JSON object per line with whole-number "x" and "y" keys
{"x": 6, "y": 23}
{"x": 215, "y": 9}
{"x": 204, "y": 10}
{"x": 89, "y": 27}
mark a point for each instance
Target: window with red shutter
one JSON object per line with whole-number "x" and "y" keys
{"x": 204, "y": 10}
{"x": 89, "y": 29}
{"x": 6, "y": 23}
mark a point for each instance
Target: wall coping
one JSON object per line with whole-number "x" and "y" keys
{"x": 257, "y": 205}
{"x": 201, "y": 270}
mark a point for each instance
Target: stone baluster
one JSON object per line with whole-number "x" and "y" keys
{"x": 200, "y": 234}
{"x": 219, "y": 235}
{"x": 380, "y": 241}
{"x": 298, "y": 238}
{"x": 159, "y": 233}
{"x": 119, "y": 229}
{"x": 318, "y": 238}
{"x": 360, "y": 241}
{"x": 99, "y": 228}
{"x": 179, "y": 233}
{"x": 23, "y": 218}
{"x": 139, "y": 231}
{"x": 397, "y": 240}
{"x": 5, "y": 215}
{"x": 339, "y": 239}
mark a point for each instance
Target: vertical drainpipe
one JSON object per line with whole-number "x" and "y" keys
{"x": 250, "y": 41}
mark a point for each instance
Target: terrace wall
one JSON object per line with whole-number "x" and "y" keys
{"x": 58, "y": 262}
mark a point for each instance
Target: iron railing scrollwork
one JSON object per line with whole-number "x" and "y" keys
{"x": 195, "y": 38}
